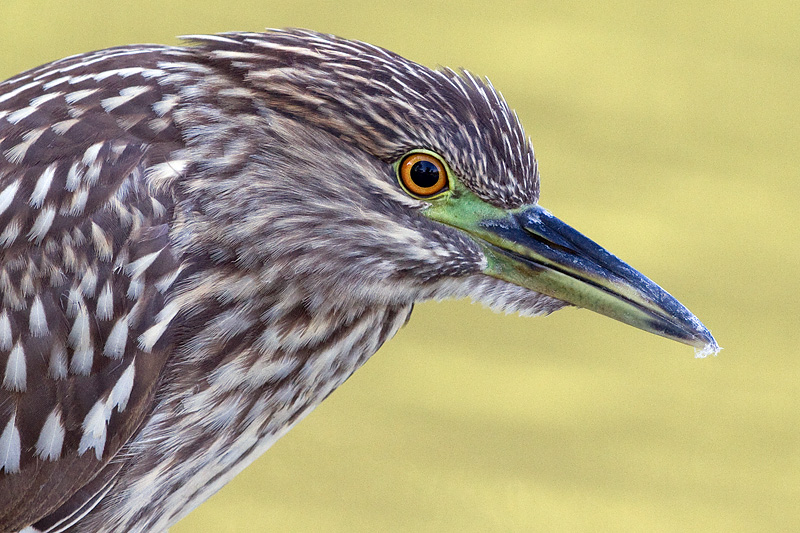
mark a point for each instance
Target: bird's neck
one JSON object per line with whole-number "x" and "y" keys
{"x": 242, "y": 379}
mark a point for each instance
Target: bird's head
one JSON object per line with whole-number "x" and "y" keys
{"x": 368, "y": 177}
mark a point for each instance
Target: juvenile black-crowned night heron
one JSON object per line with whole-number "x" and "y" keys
{"x": 200, "y": 243}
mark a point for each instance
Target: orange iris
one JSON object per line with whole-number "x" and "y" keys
{"x": 422, "y": 174}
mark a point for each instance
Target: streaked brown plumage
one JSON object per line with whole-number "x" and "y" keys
{"x": 199, "y": 244}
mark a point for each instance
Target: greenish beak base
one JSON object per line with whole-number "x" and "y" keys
{"x": 531, "y": 248}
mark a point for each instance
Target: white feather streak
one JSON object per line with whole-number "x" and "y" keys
{"x": 42, "y": 224}
{"x": 125, "y": 95}
{"x": 10, "y": 446}
{"x": 16, "y": 375}
{"x": 135, "y": 288}
{"x": 16, "y": 153}
{"x": 137, "y": 268}
{"x": 166, "y": 104}
{"x": 121, "y": 392}
{"x": 64, "y": 126}
{"x": 117, "y": 339}
{"x": 10, "y": 233}
{"x": 94, "y": 429}
{"x": 88, "y": 284}
{"x": 77, "y": 96}
{"x": 43, "y": 185}
{"x": 7, "y": 196}
{"x": 18, "y": 90}
{"x": 58, "y": 81}
{"x": 78, "y": 202}
{"x": 58, "y": 361}
{"x": 80, "y": 338}
{"x": 38, "y": 319}
{"x": 6, "y": 335}
{"x": 73, "y": 177}
{"x": 105, "y": 303}
{"x": 19, "y": 115}
{"x": 40, "y": 100}
{"x": 149, "y": 338}
{"x": 91, "y": 153}
{"x": 166, "y": 281}
{"x": 51, "y": 437}
{"x": 163, "y": 174}
{"x": 102, "y": 242}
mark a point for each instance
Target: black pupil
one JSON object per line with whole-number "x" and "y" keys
{"x": 424, "y": 174}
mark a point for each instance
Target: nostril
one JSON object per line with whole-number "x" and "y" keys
{"x": 549, "y": 243}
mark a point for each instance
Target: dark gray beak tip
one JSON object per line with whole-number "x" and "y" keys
{"x": 560, "y": 246}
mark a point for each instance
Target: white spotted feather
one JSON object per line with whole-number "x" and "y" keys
{"x": 38, "y": 319}
{"x": 10, "y": 446}
{"x": 117, "y": 339}
{"x": 94, "y": 429}
{"x": 16, "y": 375}
{"x": 51, "y": 437}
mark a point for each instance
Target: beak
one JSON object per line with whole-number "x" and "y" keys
{"x": 531, "y": 248}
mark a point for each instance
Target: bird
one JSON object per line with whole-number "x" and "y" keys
{"x": 199, "y": 243}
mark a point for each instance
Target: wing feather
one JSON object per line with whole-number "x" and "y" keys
{"x": 83, "y": 242}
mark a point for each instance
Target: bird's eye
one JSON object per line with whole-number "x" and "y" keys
{"x": 422, "y": 174}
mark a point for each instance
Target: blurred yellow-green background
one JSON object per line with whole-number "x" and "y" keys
{"x": 667, "y": 131}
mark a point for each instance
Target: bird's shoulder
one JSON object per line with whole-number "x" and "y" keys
{"x": 85, "y": 266}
